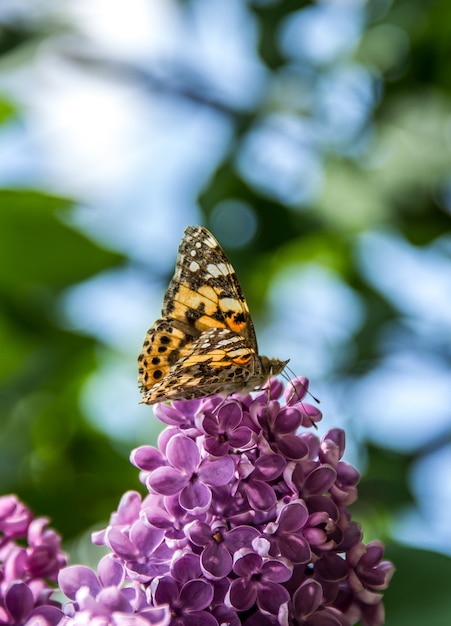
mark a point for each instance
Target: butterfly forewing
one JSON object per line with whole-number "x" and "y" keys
{"x": 205, "y": 290}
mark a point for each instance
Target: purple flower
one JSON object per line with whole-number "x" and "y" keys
{"x": 245, "y": 523}
{"x": 280, "y": 424}
{"x": 183, "y": 413}
{"x": 44, "y": 556}
{"x": 30, "y": 557}
{"x": 308, "y": 609}
{"x": 321, "y": 529}
{"x": 259, "y": 582}
{"x": 103, "y": 597}
{"x": 224, "y": 431}
{"x": 344, "y": 490}
{"x": 279, "y": 427}
{"x": 169, "y": 516}
{"x": 189, "y": 475}
{"x": 20, "y": 608}
{"x": 368, "y": 575}
{"x": 219, "y": 544}
{"x": 187, "y": 602}
{"x": 286, "y": 533}
{"x": 256, "y": 480}
{"x": 15, "y": 517}
{"x": 141, "y": 547}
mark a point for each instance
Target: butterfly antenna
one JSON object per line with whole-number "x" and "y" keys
{"x": 293, "y": 375}
{"x": 295, "y": 392}
{"x": 221, "y": 404}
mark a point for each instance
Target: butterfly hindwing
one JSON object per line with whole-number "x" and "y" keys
{"x": 163, "y": 346}
{"x": 214, "y": 363}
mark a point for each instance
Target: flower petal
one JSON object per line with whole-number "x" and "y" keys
{"x": 183, "y": 453}
{"x": 199, "y": 618}
{"x": 260, "y": 495}
{"x": 319, "y": 480}
{"x": 276, "y": 571}
{"x": 186, "y": 567}
{"x": 196, "y": 595}
{"x": 110, "y": 571}
{"x": 242, "y": 594}
{"x": 45, "y": 616}
{"x": 72, "y": 578}
{"x": 307, "y": 598}
{"x": 292, "y": 517}
{"x": 271, "y": 596}
{"x": 146, "y": 458}
{"x": 146, "y": 537}
{"x": 167, "y": 481}
{"x": 218, "y": 472}
{"x": 119, "y": 543}
{"x": 269, "y": 467}
{"x": 287, "y": 420}
{"x": 19, "y": 600}
{"x": 195, "y": 497}
{"x": 216, "y": 560}
{"x": 293, "y": 447}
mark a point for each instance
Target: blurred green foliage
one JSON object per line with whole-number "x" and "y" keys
{"x": 58, "y": 463}
{"x": 419, "y": 593}
{"x": 49, "y": 455}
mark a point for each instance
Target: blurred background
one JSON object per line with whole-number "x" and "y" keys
{"x": 314, "y": 140}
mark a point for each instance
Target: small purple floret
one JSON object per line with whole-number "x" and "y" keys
{"x": 30, "y": 560}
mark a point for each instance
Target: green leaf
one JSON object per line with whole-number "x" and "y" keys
{"x": 419, "y": 591}
{"x": 36, "y": 247}
{"x": 7, "y": 110}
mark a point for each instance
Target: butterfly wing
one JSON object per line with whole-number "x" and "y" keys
{"x": 164, "y": 344}
{"x": 204, "y": 293}
{"x": 219, "y": 361}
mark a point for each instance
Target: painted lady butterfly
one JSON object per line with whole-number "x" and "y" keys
{"x": 205, "y": 342}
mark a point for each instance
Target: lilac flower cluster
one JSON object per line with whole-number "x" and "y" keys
{"x": 245, "y": 522}
{"x": 30, "y": 559}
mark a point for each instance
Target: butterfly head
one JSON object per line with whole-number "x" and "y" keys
{"x": 272, "y": 367}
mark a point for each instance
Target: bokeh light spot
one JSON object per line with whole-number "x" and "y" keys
{"x": 234, "y": 222}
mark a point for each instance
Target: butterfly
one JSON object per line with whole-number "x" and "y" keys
{"x": 204, "y": 343}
